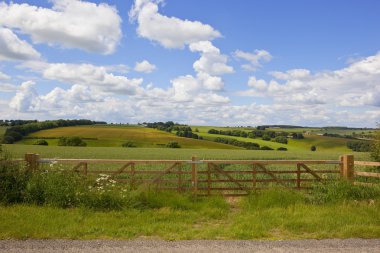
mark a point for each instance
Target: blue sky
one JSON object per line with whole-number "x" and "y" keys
{"x": 211, "y": 62}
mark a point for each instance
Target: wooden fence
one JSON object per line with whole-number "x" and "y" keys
{"x": 209, "y": 177}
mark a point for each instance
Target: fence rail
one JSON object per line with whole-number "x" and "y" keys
{"x": 366, "y": 175}
{"x": 209, "y": 177}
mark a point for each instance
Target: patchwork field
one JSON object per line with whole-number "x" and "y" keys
{"x": 143, "y": 137}
{"x": 115, "y": 136}
{"x": 323, "y": 143}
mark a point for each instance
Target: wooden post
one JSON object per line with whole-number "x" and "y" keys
{"x": 208, "y": 179}
{"x": 194, "y": 175}
{"x": 254, "y": 176}
{"x": 179, "y": 178}
{"x": 32, "y": 161}
{"x": 298, "y": 176}
{"x": 347, "y": 167}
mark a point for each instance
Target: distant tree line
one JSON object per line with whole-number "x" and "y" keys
{"x": 359, "y": 146}
{"x": 169, "y": 126}
{"x": 280, "y": 137}
{"x": 339, "y": 136}
{"x": 234, "y": 142}
{"x": 17, "y": 132}
{"x": 16, "y": 122}
{"x": 164, "y": 126}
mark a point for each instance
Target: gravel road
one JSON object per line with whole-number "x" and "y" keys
{"x": 115, "y": 246}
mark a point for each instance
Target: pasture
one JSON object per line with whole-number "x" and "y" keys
{"x": 19, "y": 150}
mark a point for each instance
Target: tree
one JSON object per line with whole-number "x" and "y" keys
{"x": 41, "y": 142}
{"x": 375, "y": 149}
{"x": 173, "y": 144}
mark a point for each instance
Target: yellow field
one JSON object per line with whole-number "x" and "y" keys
{"x": 115, "y": 136}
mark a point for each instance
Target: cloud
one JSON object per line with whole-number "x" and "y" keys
{"x": 26, "y": 98}
{"x": 211, "y": 61}
{"x": 170, "y": 32}
{"x": 90, "y": 75}
{"x": 145, "y": 67}
{"x": 4, "y": 76}
{"x": 291, "y": 74}
{"x": 255, "y": 59}
{"x": 355, "y": 85}
{"x": 70, "y": 24}
{"x": 12, "y": 48}
{"x": 6, "y": 87}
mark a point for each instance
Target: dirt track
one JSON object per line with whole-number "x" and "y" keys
{"x": 115, "y": 246}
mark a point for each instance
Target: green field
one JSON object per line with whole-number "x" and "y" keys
{"x": 19, "y": 150}
{"x": 115, "y": 136}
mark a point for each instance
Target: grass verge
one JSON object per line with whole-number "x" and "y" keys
{"x": 271, "y": 214}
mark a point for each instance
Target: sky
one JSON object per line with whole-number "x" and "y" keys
{"x": 199, "y": 62}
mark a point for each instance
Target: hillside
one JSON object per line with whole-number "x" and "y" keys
{"x": 323, "y": 143}
{"x": 144, "y": 137}
{"x": 115, "y": 136}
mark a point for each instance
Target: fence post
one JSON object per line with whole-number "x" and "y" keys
{"x": 194, "y": 175}
{"x": 347, "y": 167}
{"x": 32, "y": 161}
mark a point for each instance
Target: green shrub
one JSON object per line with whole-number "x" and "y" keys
{"x": 71, "y": 141}
{"x": 103, "y": 200}
{"x": 281, "y": 139}
{"x": 128, "y": 144}
{"x": 282, "y": 149}
{"x": 41, "y": 142}
{"x": 173, "y": 144}
{"x": 266, "y": 148}
{"x": 313, "y": 148}
{"x": 8, "y": 139}
{"x": 13, "y": 179}
{"x": 105, "y": 194}
{"x": 55, "y": 187}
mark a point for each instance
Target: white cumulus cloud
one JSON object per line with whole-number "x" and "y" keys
{"x": 13, "y": 48}
{"x": 211, "y": 61}
{"x": 355, "y": 85}
{"x": 69, "y": 23}
{"x": 170, "y": 32}
{"x": 90, "y": 75}
{"x": 145, "y": 66}
{"x": 26, "y": 98}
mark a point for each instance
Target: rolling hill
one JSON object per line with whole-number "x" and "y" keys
{"x": 115, "y": 136}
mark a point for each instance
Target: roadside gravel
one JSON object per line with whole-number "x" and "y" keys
{"x": 115, "y": 246}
